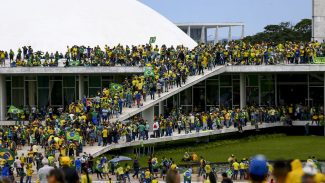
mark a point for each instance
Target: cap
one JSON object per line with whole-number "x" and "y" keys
{"x": 310, "y": 169}
{"x": 258, "y": 166}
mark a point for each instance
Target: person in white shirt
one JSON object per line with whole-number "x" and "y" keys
{"x": 155, "y": 129}
{"x": 17, "y": 165}
{"x": 44, "y": 171}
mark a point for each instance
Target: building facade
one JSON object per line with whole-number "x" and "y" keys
{"x": 318, "y": 20}
{"x": 198, "y": 31}
{"x": 238, "y": 86}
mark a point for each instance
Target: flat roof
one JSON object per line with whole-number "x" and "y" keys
{"x": 209, "y": 24}
{"x": 138, "y": 70}
{"x": 71, "y": 70}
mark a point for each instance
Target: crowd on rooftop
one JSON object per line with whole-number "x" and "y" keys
{"x": 90, "y": 121}
{"x": 234, "y": 52}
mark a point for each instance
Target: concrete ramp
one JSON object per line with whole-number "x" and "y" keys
{"x": 191, "y": 80}
{"x": 99, "y": 150}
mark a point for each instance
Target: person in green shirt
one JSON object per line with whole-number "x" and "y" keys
{"x": 141, "y": 130}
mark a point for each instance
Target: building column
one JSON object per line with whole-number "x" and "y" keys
{"x": 3, "y": 98}
{"x": 229, "y": 34}
{"x": 31, "y": 93}
{"x": 148, "y": 115}
{"x": 276, "y": 89}
{"x": 324, "y": 101}
{"x": 81, "y": 88}
{"x": 216, "y": 35}
{"x": 242, "y": 32}
{"x": 161, "y": 108}
{"x": 189, "y": 31}
{"x": 242, "y": 90}
{"x": 203, "y": 36}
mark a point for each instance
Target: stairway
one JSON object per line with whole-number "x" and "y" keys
{"x": 191, "y": 80}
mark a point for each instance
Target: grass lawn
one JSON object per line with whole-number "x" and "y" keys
{"x": 274, "y": 147}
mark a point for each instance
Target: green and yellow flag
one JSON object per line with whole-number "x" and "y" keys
{"x": 73, "y": 136}
{"x": 7, "y": 155}
{"x": 116, "y": 88}
{"x": 148, "y": 72}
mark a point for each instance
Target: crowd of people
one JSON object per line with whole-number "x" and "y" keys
{"x": 67, "y": 130}
{"x": 235, "y": 52}
{"x": 81, "y": 169}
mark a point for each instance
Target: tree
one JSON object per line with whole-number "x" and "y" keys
{"x": 283, "y": 32}
{"x": 304, "y": 26}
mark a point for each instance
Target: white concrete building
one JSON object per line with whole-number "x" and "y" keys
{"x": 53, "y": 25}
{"x": 198, "y": 31}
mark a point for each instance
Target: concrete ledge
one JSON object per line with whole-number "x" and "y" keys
{"x": 70, "y": 70}
{"x": 97, "y": 151}
{"x": 280, "y": 68}
{"x": 275, "y": 68}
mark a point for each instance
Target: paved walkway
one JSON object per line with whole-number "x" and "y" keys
{"x": 99, "y": 150}
{"x": 195, "y": 179}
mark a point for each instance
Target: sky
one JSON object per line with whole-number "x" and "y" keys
{"x": 256, "y": 14}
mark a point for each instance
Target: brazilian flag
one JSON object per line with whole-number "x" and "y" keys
{"x": 116, "y": 88}
{"x": 74, "y": 63}
{"x": 148, "y": 72}
{"x": 73, "y": 136}
{"x": 7, "y": 155}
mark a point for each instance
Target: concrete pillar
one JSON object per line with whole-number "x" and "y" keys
{"x": 161, "y": 108}
{"x": 189, "y": 31}
{"x": 242, "y": 32}
{"x": 229, "y": 34}
{"x": 324, "y": 101}
{"x": 148, "y": 115}
{"x": 31, "y": 93}
{"x": 81, "y": 88}
{"x": 216, "y": 35}
{"x": 242, "y": 90}
{"x": 318, "y": 20}
{"x": 203, "y": 36}
{"x": 276, "y": 89}
{"x": 3, "y": 98}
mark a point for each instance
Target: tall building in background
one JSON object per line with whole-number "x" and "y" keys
{"x": 319, "y": 20}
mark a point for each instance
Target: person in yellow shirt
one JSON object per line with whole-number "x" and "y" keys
{"x": 29, "y": 173}
{"x": 242, "y": 167}
{"x": 120, "y": 172}
{"x": 154, "y": 180}
{"x": 105, "y": 136}
{"x": 85, "y": 178}
{"x": 22, "y": 159}
{"x": 147, "y": 176}
{"x": 235, "y": 167}
{"x": 207, "y": 170}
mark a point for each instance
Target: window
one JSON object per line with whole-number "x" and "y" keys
{"x": 18, "y": 81}
{"x": 43, "y": 81}
{"x": 69, "y": 81}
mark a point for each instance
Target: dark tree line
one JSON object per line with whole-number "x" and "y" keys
{"x": 302, "y": 31}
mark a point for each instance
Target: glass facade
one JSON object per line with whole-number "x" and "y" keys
{"x": 221, "y": 90}
{"x": 56, "y": 91}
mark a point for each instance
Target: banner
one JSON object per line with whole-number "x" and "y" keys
{"x": 7, "y": 155}
{"x": 319, "y": 60}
